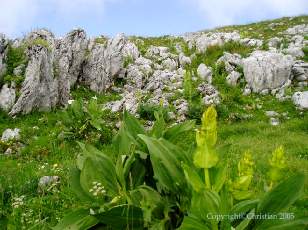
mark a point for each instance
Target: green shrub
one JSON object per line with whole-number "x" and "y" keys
{"x": 305, "y": 50}
{"x": 142, "y": 185}
{"x": 147, "y": 111}
{"x": 127, "y": 61}
{"x": 101, "y": 40}
{"x": 15, "y": 57}
{"x": 84, "y": 121}
{"x": 17, "y": 79}
{"x": 39, "y": 42}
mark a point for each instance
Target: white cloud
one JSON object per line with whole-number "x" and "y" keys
{"x": 21, "y": 15}
{"x": 222, "y": 12}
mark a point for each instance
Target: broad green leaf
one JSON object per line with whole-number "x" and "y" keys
{"x": 132, "y": 125}
{"x": 193, "y": 223}
{"x": 76, "y": 187}
{"x": 123, "y": 217}
{"x": 159, "y": 125}
{"x": 204, "y": 203}
{"x": 135, "y": 174}
{"x": 80, "y": 160}
{"x": 244, "y": 206}
{"x": 99, "y": 168}
{"x": 220, "y": 177}
{"x": 96, "y": 123}
{"x": 123, "y": 141}
{"x": 193, "y": 178}
{"x": 148, "y": 200}
{"x": 120, "y": 172}
{"x": 281, "y": 197}
{"x": 166, "y": 161}
{"x": 77, "y": 220}
{"x": 174, "y": 131}
{"x": 297, "y": 224}
{"x": 244, "y": 223}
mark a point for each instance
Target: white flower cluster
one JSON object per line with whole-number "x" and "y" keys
{"x": 27, "y": 218}
{"x": 18, "y": 201}
{"x": 97, "y": 189}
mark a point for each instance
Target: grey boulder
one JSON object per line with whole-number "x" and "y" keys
{"x": 265, "y": 71}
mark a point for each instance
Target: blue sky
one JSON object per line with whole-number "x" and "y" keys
{"x": 138, "y": 17}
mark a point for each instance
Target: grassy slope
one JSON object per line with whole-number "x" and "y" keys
{"x": 46, "y": 155}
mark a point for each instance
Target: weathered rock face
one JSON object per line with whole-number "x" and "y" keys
{"x": 184, "y": 60}
{"x": 70, "y": 55}
{"x": 274, "y": 42}
{"x": 299, "y": 29}
{"x": 205, "y": 73}
{"x": 265, "y": 71}
{"x": 203, "y": 40}
{"x": 3, "y": 45}
{"x": 295, "y": 47}
{"x": 210, "y": 94}
{"x": 300, "y": 99}
{"x": 106, "y": 62}
{"x": 10, "y": 134}
{"x": 252, "y": 42}
{"x": 300, "y": 73}
{"x": 231, "y": 61}
{"x": 7, "y": 97}
{"x": 40, "y": 89}
{"x": 233, "y": 78}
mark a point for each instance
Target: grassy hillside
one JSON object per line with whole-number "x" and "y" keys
{"x": 242, "y": 126}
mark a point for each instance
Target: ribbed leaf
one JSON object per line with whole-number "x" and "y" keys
{"x": 193, "y": 178}
{"x": 99, "y": 168}
{"x": 193, "y": 223}
{"x": 297, "y": 224}
{"x": 281, "y": 197}
{"x": 173, "y": 132}
{"x": 123, "y": 217}
{"x": 80, "y": 219}
{"x": 76, "y": 187}
{"x": 166, "y": 161}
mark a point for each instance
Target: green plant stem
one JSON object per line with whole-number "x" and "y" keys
{"x": 207, "y": 178}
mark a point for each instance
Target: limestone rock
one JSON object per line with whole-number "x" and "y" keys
{"x": 169, "y": 64}
{"x": 106, "y": 62}
{"x": 3, "y": 46}
{"x": 10, "y": 134}
{"x": 184, "y": 60}
{"x": 209, "y": 93}
{"x": 70, "y": 55}
{"x": 265, "y": 70}
{"x": 300, "y": 72}
{"x": 203, "y": 40}
{"x": 274, "y": 42}
{"x": 252, "y": 42}
{"x": 47, "y": 182}
{"x": 205, "y": 73}
{"x": 40, "y": 88}
{"x": 7, "y": 98}
{"x": 230, "y": 61}
{"x": 233, "y": 78}
{"x": 300, "y": 99}
{"x": 298, "y": 29}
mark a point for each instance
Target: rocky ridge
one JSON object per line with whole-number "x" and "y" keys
{"x": 156, "y": 76}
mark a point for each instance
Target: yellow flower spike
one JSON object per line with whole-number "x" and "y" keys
{"x": 209, "y": 125}
{"x": 206, "y": 156}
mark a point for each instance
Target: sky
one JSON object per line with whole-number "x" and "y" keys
{"x": 138, "y": 17}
